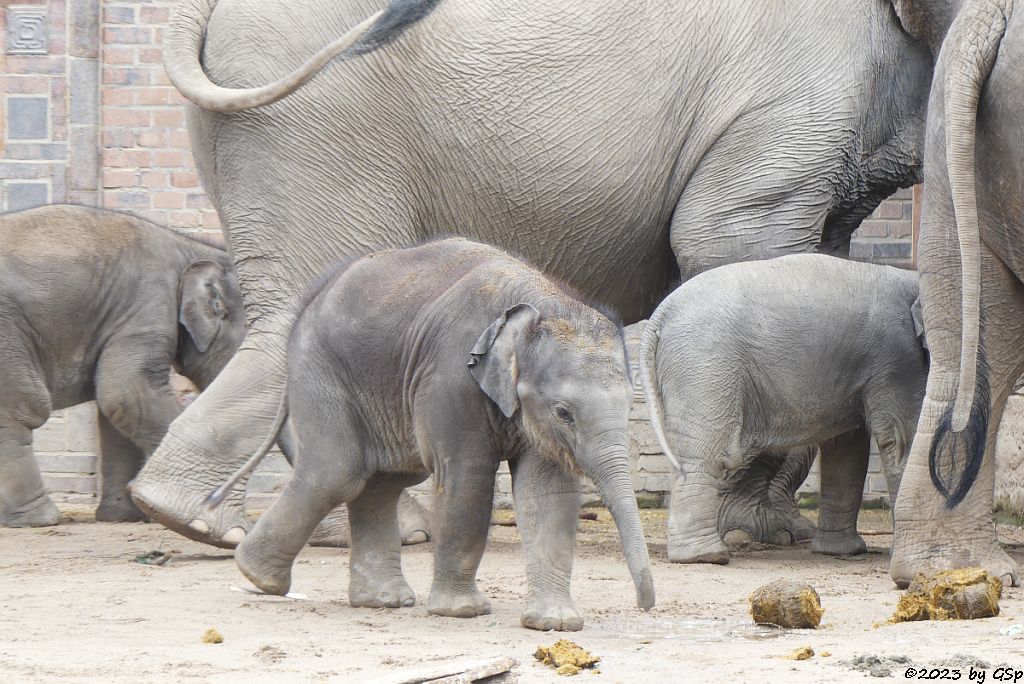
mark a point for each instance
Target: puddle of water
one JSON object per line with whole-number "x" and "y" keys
{"x": 697, "y": 629}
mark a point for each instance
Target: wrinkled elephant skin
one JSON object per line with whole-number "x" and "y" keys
{"x": 98, "y": 305}
{"x": 761, "y": 357}
{"x": 652, "y": 145}
{"x": 498, "y": 364}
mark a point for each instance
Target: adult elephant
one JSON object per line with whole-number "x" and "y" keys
{"x": 618, "y": 147}
{"x": 971, "y": 259}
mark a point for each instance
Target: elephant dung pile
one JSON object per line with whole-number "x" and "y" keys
{"x": 567, "y": 657}
{"x": 788, "y": 604}
{"x": 212, "y": 636}
{"x": 962, "y": 594}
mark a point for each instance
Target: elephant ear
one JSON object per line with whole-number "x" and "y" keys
{"x": 918, "y": 317}
{"x": 203, "y": 302}
{"x": 493, "y": 357}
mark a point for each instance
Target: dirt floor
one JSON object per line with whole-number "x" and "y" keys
{"x": 76, "y": 606}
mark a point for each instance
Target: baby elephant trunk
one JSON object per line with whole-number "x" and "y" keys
{"x": 608, "y": 466}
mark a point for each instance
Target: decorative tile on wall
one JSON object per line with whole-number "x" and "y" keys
{"x": 27, "y": 32}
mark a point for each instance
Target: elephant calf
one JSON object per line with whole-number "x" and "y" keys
{"x": 447, "y": 359}
{"x": 100, "y": 305}
{"x": 773, "y": 355}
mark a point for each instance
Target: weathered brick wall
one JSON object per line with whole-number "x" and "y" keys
{"x": 146, "y": 158}
{"x": 885, "y": 236}
{"x": 89, "y": 117}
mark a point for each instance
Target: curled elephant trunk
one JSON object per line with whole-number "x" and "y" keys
{"x": 608, "y": 467}
{"x": 187, "y": 32}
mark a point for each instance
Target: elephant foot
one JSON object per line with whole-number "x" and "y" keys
{"x": 393, "y": 592}
{"x": 758, "y": 500}
{"x": 461, "y": 604}
{"x": 549, "y": 614}
{"x": 704, "y": 550}
{"x": 263, "y": 575}
{"x": 412, "y": 523}
{"x": 796, "y": 526}
{"x": 119, "y": 510}
{"x": 838, "y": 543}
{"x": 181, "y": 506}
{"x": 39, "y": 512}
{"x": 910, "y": 559}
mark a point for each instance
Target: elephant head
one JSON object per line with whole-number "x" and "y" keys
{"x": 566, "y": 376}
{"x": 211, "y": 318}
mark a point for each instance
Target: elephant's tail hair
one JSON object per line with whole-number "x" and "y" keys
{"x": 217, "y": 497}
{"x": 187, "y": 33}
{"x": 973, "y": 44}
{"x": 648, "y": 358}
{"x": 955, "y": 456}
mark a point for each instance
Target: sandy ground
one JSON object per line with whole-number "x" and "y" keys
{"x": 75, "y": 606}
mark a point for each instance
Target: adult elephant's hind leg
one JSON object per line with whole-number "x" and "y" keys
{"x": 844, "y": 465}
{"x": 375, "y": 563}
{"x": 210, "y": 440}
{"x": 929, "y": 535}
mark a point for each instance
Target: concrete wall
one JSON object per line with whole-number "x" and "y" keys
{"x": 88, "y": 116}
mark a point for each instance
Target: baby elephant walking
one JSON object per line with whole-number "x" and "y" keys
{"x": 100, "y": 305}
{"x": 773, "y": 355}
{"x": 449, "y": 358}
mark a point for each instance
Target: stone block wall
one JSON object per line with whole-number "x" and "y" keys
{"x": 89, "y": 117}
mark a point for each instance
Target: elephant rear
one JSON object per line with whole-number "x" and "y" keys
{"x": 784, "y": 351}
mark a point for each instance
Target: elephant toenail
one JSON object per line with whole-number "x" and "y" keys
{"x": 736, "y": 537}
{"x": 199, "y": 526}
{"x": 417, "y": 537}
{"x": 234, "y": 536}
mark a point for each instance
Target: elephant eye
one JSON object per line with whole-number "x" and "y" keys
{"x": 564, "y": 415}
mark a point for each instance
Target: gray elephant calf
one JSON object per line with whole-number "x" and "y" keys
{"x": 100, "y": 305}
{"x": 449, "y": 358}
{"x": 779, "y": 354}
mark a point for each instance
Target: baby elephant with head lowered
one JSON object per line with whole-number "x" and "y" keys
{"x": 778, "y": 354}
{"x": 101, "y": 305}
{"x": 448, "y": 358}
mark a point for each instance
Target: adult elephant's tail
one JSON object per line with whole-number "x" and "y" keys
{"x": 187, "y": 32}
{"x": 973, "y": 41}
{"x": 648, "y": 359}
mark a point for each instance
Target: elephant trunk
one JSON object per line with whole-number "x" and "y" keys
{"x": 974, "y": 41}
{"x": 608, "y": 467}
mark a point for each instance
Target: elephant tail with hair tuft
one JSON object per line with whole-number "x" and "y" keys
{"x": 648, "y": 358}
{"x": 974, "y": 41}
{"x": 187, "y": 32}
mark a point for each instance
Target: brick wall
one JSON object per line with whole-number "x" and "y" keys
{"x": 885, "y": 236}
{"x": 88, "y": 116}
{"x": 146, "y": 161}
